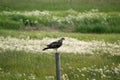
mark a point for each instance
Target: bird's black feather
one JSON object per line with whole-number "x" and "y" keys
{"x": 54, "y": 45}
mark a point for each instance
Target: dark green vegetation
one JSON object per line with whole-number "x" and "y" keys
{"x": 87, "y": 22}
{"x": 58, "y": 5}
{"x": 22, "y": 65}
{"x": 110, "y": 25}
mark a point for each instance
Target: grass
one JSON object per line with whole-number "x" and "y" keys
{"x": 28, "y": 63}
{"x": 55, "y": 5}
{"x": 22, "y": 65}
{"x": 64, "y": 17}
{"x": 57, "y": 34}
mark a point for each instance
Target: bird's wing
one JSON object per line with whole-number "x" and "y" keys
{"x": 53, "y": 44}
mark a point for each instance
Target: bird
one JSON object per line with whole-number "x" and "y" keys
{"x": 55, "y": 45}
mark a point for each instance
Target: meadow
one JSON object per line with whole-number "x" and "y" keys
{"x": 91, "y": 21}
{"x": 91, "y": 16}
{"x": 83, "y": 56}
{"x": 21, "y": 65}
{"x": 91, "y": 28}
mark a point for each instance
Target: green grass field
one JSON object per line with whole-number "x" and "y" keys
{"x": 41, "y": 66}
{"x": 112, "y": 38}
{"x": 55, "y": 5}
{"x": 91, "y": 16}
{"x": 91, "y": 28}
{"x": 21, "y": 65}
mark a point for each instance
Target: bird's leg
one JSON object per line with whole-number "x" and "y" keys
{"x": 56, "y": 50}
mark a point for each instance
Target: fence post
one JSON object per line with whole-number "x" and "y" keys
{"x": 57, "y": 58}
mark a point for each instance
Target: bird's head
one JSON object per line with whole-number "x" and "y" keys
{"x": 62, "y": 39}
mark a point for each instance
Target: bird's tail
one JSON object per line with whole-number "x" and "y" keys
{"x": 45, "y": 49}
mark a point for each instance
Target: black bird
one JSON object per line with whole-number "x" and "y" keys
{"x": 55, "y": 45}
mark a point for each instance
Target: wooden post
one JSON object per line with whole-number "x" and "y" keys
{"x": 57, "y": 58}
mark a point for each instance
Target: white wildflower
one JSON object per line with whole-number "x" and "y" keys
{"x": 117, "y": 70}
{"x": 87, "y": 79}
{"x": 79, "y": 69}
{"x": 70, "y": 45}
{"x": 103, "y": 75}
{"x": 31, "y": 77}
{"x": 82, "y": 75}
{"x": 84, "y": 69}
{"x": 49, "y": 77}
{"x": 69, "y": 18}
{"x": 65, "y": 77}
